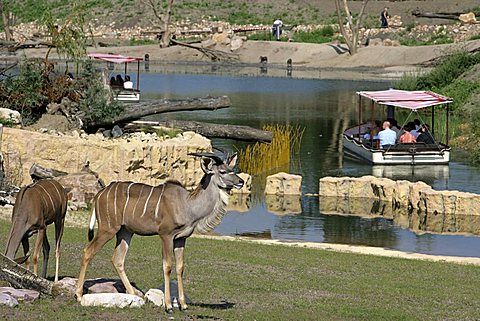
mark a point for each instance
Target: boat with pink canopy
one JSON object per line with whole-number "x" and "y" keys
{"x": 374, "y": 107}
{"x": 116, "y": 83}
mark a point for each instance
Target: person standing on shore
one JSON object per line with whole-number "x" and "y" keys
{"x": 384, "y": 18}
{"x": 277, "y": 28}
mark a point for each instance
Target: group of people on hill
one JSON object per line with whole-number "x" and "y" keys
{"x": 390, "y": 133}
{"x": 119, "y": 82}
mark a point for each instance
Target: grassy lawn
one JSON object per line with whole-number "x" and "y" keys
{"x": 232, "y": 280}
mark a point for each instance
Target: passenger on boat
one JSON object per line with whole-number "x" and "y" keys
{"x": 119, "y": 81}
{"x": 113, "y": 82}
{"x": 376, "y": 130}
{"x": 408, "y": 137}
{"x": 416, "y": 130}
{"x": 128, "y": 84}
{"x": 425, "y": 135}
{"x": 387, "y": 136}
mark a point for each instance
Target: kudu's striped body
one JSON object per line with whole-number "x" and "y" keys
{"x": 36, "y": 206}
{"x": 169, "y": 210}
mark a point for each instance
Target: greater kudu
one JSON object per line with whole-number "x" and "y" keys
{"x": 169, "y": 210}
{"x": 36, "y": 206}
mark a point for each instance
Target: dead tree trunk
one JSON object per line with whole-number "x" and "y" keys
{"x": 210, "y": 130}
{"x": 21, "y": 278}
{"x": 38, "y": 172}
{"x": 450, "y": 16}
{"x": 142, "y": 109}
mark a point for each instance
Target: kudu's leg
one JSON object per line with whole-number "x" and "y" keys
{"x": 46, "y": 254}
{"x": 118, "y": 259}
{"x": 89, "y": 252}
{"x": 179, "y": 247}
{"x": 36, "y": 251}
{"x": 167, "y": 242}
{"x": 26, "y": 249}
{"x": 58, "y": 238}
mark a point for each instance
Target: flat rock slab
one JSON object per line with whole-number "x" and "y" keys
{"x": 111, "y": 300}
{"x": 20, "y": 294}
{"x": 8, "y": 300}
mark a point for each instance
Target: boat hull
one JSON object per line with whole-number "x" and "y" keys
{"x": 406, "y": 156}
{"x": 127, "y": 96}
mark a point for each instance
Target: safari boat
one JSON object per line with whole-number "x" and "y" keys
{"x": 121, "y": 93}
{"x": 355, "y": 144}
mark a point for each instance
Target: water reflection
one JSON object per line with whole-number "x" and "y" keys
{"x": 283, "y": 204}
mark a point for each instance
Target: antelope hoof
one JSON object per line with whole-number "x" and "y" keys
{"x": 183, "y": 307}
{"x": 78, "y": 297}
{"x": 169, "y": 310}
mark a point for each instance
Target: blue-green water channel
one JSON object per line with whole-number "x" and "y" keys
{"x": 324, "y": 108}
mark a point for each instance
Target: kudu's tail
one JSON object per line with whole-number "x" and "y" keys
{"x": 91, "y": 226}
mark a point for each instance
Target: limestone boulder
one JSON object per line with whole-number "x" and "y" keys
{"x": 10, "y": 115}
{"x": 237, "y": 42}
{"x": 361, "y": 187}
{"x": 328, "y": 187}
{"x": 82, "y": 185}
{"x": 415, "y": 191}
{"x": 109, "y": 300}
{"x": 284, "y": 183}
{"x": 401, "y": 192}
{"x": 247, "y": 184}
{"x": 125, "y": 159}
{"x": 468, "y": 18}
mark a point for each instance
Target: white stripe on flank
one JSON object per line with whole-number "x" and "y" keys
{"x": 96, "y": 201}
{"x": 56, "y": 188}
{"x": 51, "y": 200}
{"x": 146, "y": 202}
{"x": 115, "y": 201}
{"x": 158, "y": 202}
{"x": 126, "y": 202}
{"x": 138, "y": 199}
{"x": 91, "y": 226}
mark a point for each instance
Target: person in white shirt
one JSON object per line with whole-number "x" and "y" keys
{"x": 128, "y": 84}
{"x": 387, "y": 136}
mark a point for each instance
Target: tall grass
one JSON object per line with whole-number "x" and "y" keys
{"x": 261, "y": 157}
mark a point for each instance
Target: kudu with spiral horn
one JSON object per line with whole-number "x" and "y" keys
{"x": 169, "y": 210}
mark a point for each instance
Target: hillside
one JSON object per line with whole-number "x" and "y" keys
{"x": 129, "y": 13}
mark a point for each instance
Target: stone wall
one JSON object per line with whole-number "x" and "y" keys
{"x": 402, "y": 194}
{"x": 149, "y": 161}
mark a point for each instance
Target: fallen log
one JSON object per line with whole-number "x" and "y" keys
{"x": 38, "y": 172}
{"x": 433, "y": 15}
{"x": 136, "y": 111}
{"x": 21, "y": 278}
{"x": 244, "y": 133}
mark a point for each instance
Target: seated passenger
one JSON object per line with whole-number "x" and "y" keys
{"x": 425, "y": 135}
{"x": 416, "y": 126}
{"x": 128, "y": 84}
{"x": 407, "y": 137}
{"x": 119, "y": 81}
{"x": 387, "y": 136}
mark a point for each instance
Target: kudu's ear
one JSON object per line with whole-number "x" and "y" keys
{"x": 206, "y": 164}
{"x": 232, "y": 160}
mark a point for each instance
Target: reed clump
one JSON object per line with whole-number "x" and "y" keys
{"x": 262, "y": 157}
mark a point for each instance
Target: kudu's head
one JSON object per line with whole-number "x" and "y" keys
{"x": 218, "y": 171}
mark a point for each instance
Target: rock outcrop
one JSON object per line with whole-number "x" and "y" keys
{"x": 284, "y": 184}
{"x": 402, "y": 194}
{"x": 140, "y": 158}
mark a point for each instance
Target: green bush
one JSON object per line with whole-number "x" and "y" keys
{"x": 24, "y": 92}
{"x": 97, "y": 103}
